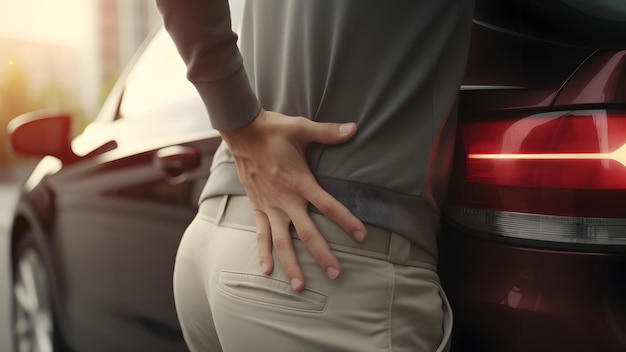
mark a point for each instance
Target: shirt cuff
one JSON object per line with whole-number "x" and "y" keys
{"x": 230, "y": 102}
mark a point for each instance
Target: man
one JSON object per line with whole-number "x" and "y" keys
{"x": 391, "y": 68}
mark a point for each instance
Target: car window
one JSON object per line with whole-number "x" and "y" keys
{"x": 157, "y": 103}
{"x": 157, "y": 85}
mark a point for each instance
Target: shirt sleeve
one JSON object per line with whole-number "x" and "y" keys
{"x": 201, "y": 30}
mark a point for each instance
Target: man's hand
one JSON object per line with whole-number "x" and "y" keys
{"x": 270, "y": 154}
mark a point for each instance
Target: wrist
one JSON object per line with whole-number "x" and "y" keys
{"x": 245, "y": 135}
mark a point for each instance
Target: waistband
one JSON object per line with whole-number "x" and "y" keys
{"x": 236, "y": 212}
{"x": 412, "y": 216}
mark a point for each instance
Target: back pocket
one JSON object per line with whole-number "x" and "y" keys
{"x": 266, "y": 290}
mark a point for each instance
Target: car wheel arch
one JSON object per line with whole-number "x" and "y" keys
{"x": 26, "y": 226}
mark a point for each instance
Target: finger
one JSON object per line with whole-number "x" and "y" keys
{"x": 326, "y": 132}
{"x": 331, "y": 207}
{"x": 315, "y": 242}
{"x": 264, "y": 242}
{"x": 281, "y": 239}
{"x": 338, "y": 213}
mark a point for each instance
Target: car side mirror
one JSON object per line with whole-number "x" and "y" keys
{"x": 42, "y": 133}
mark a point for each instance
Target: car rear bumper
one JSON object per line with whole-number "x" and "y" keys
{"x": 511, "y": 298}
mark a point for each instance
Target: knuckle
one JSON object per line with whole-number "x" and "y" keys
{"x": 326, "y": 208}
{"x": 280, "y": 243}
{"x": 300, "y": 121}
{"x": 295, "y": 183}
{"x": 276, "y": 171}
{"x": 280, "y": 173}
{"x": 293, "y": 125}
{"x": 261, "y": 235}
{"x": 306, "y": 235}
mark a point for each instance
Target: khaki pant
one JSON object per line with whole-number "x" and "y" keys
{"x": 388, "y": 298}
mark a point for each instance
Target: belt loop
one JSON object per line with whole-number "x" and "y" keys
{"x": 221, "y": 209}
{"x": 399, "y": 249}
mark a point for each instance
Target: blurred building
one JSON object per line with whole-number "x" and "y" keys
{"x": 124, "y": 25}
{"x": 110, "y": 33}
{"x": 42, "y": 62}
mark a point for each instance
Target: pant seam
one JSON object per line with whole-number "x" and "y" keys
{"x": 391, "y": 293}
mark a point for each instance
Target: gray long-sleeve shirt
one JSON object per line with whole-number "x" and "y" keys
{"x": 393, "y": 67}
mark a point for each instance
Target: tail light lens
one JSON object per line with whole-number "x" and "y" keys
{"x": 558, "y": 177}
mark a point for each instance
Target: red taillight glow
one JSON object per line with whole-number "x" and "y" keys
{"x": 556, "y": 177}
{"x": 574, "y": 150}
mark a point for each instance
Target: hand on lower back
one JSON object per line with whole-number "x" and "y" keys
{"x": 270, "y": 154}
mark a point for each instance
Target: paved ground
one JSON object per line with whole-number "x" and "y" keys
{"x": 8, "y": 195}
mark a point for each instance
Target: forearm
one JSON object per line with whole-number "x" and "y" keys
{"x": 201, "y": 30}
{"x": 269, "y": 148}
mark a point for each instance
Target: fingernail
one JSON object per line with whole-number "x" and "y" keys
{"x": 295, "y": 283}
{"x": 358, "y": 235}
{"x": 264, "y": 268}
{"x": 345, "y": 128}
{"x": 332, "y": 273}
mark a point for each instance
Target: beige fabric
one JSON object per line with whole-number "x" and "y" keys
{"x": 236, "y": 212}
{"x": 225, "y": 303}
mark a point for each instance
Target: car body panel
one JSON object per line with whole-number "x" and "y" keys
{"x": 510, "y": 297}
{"x": 601, "y": 80}
{"x": 111, "y": 220}
{"x": 514, "y": 294}
{"x": 117, "y": 225}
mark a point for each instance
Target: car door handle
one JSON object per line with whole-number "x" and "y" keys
{"x": 175, "y": 161}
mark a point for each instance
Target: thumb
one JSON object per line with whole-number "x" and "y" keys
{"x": 328, "y": 132}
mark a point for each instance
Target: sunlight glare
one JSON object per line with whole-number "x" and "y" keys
{"x": 56, "y": 22}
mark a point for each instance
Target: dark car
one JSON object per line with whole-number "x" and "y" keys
{"x": 98, "y": 224}
{"x": 533, "y": 247}
{"x": 533, "y": 242}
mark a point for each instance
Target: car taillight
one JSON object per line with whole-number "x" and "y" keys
{"x": 557, "y": 177}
